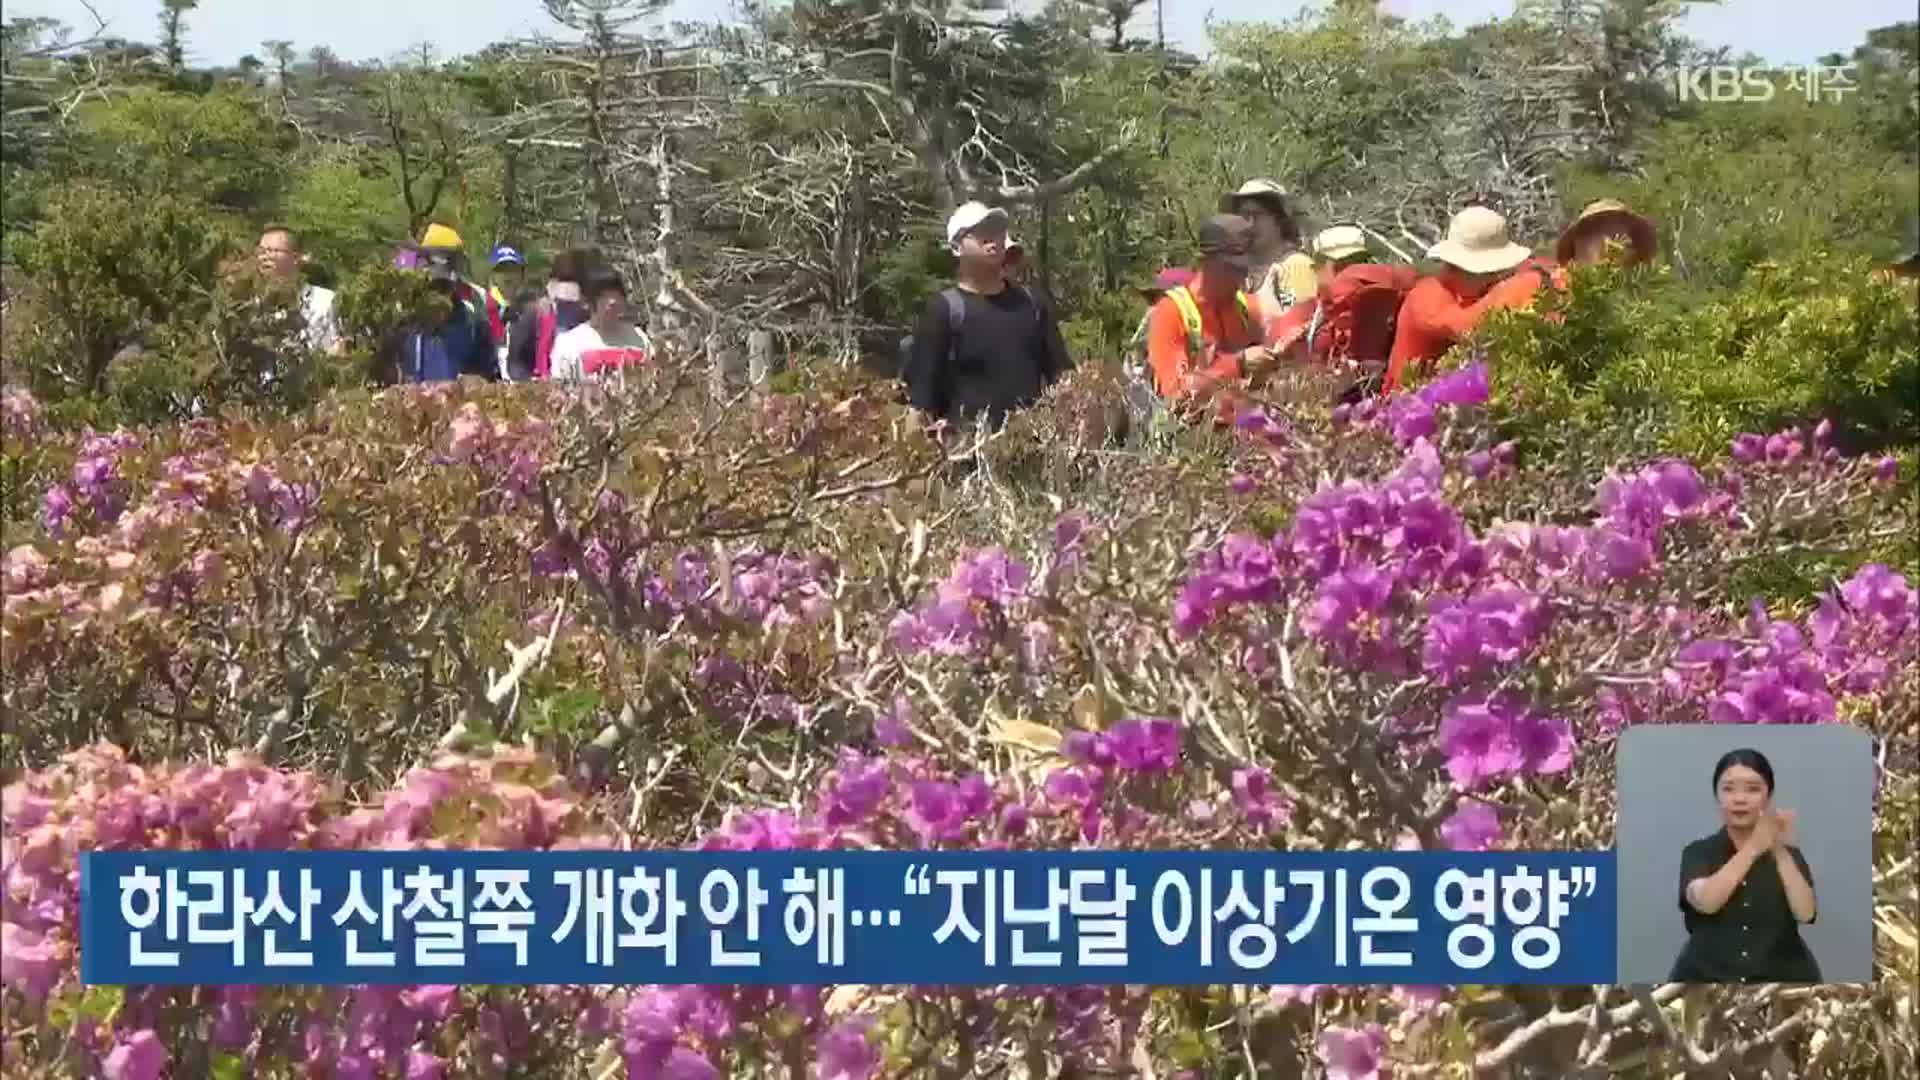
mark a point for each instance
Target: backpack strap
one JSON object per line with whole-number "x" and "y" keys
{"x": 956, "y": 303}
{"x": 543, "y": 342}
{"x": 1183, "y": 299}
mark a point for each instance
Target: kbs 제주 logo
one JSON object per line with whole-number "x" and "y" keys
{"x": 1720, "y": 83}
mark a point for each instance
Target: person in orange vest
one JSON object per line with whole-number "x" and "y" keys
{"x": 1209, "y": 338}
{"x": 1606, "y": 227}
{"x": 1481, "y": 271}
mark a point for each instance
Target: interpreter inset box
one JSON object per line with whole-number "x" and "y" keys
{"x": 1745, "y": 854}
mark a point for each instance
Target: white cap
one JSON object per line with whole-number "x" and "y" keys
{"x": 970, "y": 217}
{"x": 1339, "y": 242}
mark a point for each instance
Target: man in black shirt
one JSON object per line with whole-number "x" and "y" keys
{"x": 985, "y": 347}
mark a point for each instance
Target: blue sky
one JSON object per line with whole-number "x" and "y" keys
{"x": 221, "y": 31}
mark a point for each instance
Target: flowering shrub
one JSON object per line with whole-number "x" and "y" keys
{"x": 780, "y": 626}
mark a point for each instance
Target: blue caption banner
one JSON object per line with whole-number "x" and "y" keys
{"x": 815, "y": 918}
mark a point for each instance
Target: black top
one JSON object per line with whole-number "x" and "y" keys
{"x": 523, "y": 333}
{"x": 1010, "y": 350}
{"x": 1754, "y": 937}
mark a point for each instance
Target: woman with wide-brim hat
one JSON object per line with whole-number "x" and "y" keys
{"x": 1281, "y": 272}
{"x": 1477, "y": 276}
{"x": 1585, "y": 242}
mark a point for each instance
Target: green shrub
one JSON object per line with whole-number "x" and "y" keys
{"x": 1812, "y": 338}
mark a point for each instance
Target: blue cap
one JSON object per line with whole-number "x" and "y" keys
{"x": 506, "y": 254}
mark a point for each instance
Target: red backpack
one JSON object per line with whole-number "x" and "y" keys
{"x": 1356, "y": 320}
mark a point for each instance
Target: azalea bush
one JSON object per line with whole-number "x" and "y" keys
{"x": 623, "y": 615}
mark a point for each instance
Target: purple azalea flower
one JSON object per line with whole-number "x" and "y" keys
{"x": 1088, "y": 748}
{"x": 1411, "y": 418}
{"x": 1253, "y": 794}
{"x": 859, "y": 785}
{"x": 683, "y": 1064}
{"x": 1354, "y": 1054}
{"x": 847, "y": 1051}
{"x": 890, "y": 727}
{"x": 1545, "y": 743}
{"x": 975, "y": 796}
{"x": 1146, "y": 745}
{"x": 1749, "y": 448}
{"x": 1461, "y": 386}
{"x": 1348, "y": 616}
{"x": 55, "y": 506}
{"x": 424, "y": 1066}
{"x": 1783, "y": 448}
{"x": 141, "y": 1056}
{"x": 1473, "y": 826}
{"x": 1499, "y": 626}
{"x": 990, "y": 575}
{"x": 934, "y": 811}
{"x": 1014, "y": 819}
{"x": 1618, "y": 556}
{"x": 1476, "y": 734}
{"x": 1069, "y": 787}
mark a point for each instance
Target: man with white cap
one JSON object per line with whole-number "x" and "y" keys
{"x": 1477, "y": 264}
{"x": 984, "y": 347}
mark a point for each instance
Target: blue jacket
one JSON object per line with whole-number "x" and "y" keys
{"x": 462, "y": 345}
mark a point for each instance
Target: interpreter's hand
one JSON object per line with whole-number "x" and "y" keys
{"x": 1766, "y": 832}
{"x": 1784, "y": 833}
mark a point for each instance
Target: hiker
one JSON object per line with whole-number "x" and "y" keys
{"x": 1279, "y": 274}
{"x": 543, "y": 319}
{"x": 984, "y": 347}
{"x": 1480, "y": 272}
{"x": 1143, "y": 400}
{"x": 506, "y": 292}
{"x": 1606, "y": 230}
{"x": 459, "y": 343}
{"x": 279, "y": 256}
{"x": 1348, "y": 325}
{"x": 1207, "y": 338}
{"x": 442, "y": 239}
{"x": 607, "y": 341}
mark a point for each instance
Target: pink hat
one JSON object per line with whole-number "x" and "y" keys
{"x": 1169, "y": 279}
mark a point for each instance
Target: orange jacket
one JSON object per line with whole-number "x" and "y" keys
{"x": 1434, "y": 318}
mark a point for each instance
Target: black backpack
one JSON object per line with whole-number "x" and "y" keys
{"x": 956, "y": 304}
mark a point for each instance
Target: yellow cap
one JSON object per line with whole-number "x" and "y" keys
{"x": 440, "y": 236}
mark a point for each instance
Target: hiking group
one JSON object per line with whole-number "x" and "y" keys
{"x": 580, "y": 324}
{"x": 1256, "y": 297}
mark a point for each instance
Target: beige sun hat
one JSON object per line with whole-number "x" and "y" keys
{"x": 1477, "y": 242}
{"x": 1340, "y": 242}
{"x": 1610, "y": 213}
{"x": 1263, "y": 189}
